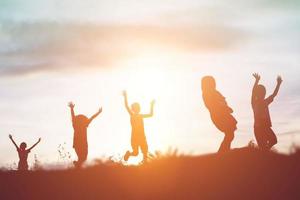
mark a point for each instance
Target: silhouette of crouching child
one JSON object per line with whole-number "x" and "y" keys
{"x": 23, "y": 153}
{"x": 220, "y": 112}
{"x": 264, "y": 134}
{"x": 80, "y": 144}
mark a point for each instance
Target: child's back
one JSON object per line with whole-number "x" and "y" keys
{"x": 23, "y": 155}
{"x": 80, "y": 126}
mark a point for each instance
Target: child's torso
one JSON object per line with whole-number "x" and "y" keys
{"x": 137, "y": 125}
{"x": 80, "y": 135}
{"x": 216, "y": 104}
{"x": 23, "y": 155}
{"x": 261, "y": 114}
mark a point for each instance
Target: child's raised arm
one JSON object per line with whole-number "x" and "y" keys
{"x": 257, "y": 78}
{"x": 279, "y": 81}
{"x": 151, "y": 110}
{"x": 11, "y": 138}
{"x": 126, "y": 103}
{"x": 72, "y": 105}
{"x": 34, "y": 144}
{"x": 95, "y": 115}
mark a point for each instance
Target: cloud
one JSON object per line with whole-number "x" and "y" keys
{"x": 30, "y": 47}
{"x": 292, "y": 132}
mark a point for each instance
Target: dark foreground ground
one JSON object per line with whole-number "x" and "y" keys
{"x": 241, "y": 174}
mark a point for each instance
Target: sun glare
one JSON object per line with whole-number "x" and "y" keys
{"x": 148, "y": 75}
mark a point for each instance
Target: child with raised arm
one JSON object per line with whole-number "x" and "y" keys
{"x": 220, "y": 112}
{"x": 23, "y": 153}
{"x": 138, "y": 137}
{"x": 80, "y": 124}
{"x": 264, "y": 134}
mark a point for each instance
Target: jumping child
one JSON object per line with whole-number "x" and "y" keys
{"x": 264, "y": 134}
{"x": 138, "y": 137}
{"x": 220, "y": 112}
{"x": 23, "y": 153}
{"x": 80, "y": 144}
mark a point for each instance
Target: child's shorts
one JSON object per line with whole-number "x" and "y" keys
{"x": 139, "y": 143}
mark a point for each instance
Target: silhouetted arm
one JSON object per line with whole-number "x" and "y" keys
{"x": 34, "y": 144}
{"x": 257, "y": 78}
{"x": 126, "y": 103}
{"x": 151, "y": 110}
{"x": 72, "y": 105}
{"x": 272, "y": 96}
{"x": 95, "y": 115}
{"x": 11, "y": 138}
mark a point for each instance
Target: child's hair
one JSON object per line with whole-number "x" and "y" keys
{"x": 23, "y": 145}
{"x": 81, "y": 120}
{"x": 208, "y": 83}
{"x": 260, "y": 92}
{"x": 136, "y": 108}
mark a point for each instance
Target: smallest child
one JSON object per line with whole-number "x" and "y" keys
{"x": 23, "y": 153}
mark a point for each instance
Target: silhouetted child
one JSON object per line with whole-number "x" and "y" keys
{"x": 23, "y": 153}
{"x": 138, "y": 137}
{"x": 80, "y": 144}
{"x": 264, "y": 134}
{"x": 220, "y": 112}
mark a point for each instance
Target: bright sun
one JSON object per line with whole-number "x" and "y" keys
{"x": 148, "y": 75}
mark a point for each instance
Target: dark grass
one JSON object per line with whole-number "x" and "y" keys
{"x": 245, "y": 173}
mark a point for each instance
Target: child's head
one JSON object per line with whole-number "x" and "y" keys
{"x": 135, "y": 107}
{"x": 260, "y": 92}
{"x": 208, "y": 83}
{"x": 23, "y": 146}
{"x": 81, "y": 120}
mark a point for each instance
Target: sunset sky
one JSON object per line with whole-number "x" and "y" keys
{"x": 55, "y": 51}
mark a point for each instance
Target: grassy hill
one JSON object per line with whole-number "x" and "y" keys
{"x": 244, "y": 173}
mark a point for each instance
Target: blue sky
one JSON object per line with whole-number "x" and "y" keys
{"x": 88, "y": 51}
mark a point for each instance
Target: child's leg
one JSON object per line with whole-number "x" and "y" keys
{"x": 81, "y": 154}
{"x": 260, "y": 136}
{"x": 225, "y": 145}
{"x": 272, "y": 139}
{"x": 144, "y": 148}
{"x": 135, "y": 151}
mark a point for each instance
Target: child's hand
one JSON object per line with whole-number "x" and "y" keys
{"x": 71, "y": 104}
{"x": 256, "y": 76}
{"x": 10, "y": 136}
{"x": 124, "y": 93}
{"x": 279, "y": 80}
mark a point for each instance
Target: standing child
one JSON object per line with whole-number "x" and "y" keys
{"x": 264, "y": 134}
{"x": 80, "y": 144}
{"x": 138, "y": 137}
{"x": 23, "y": 153}
{"x": 220, "y": 112}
